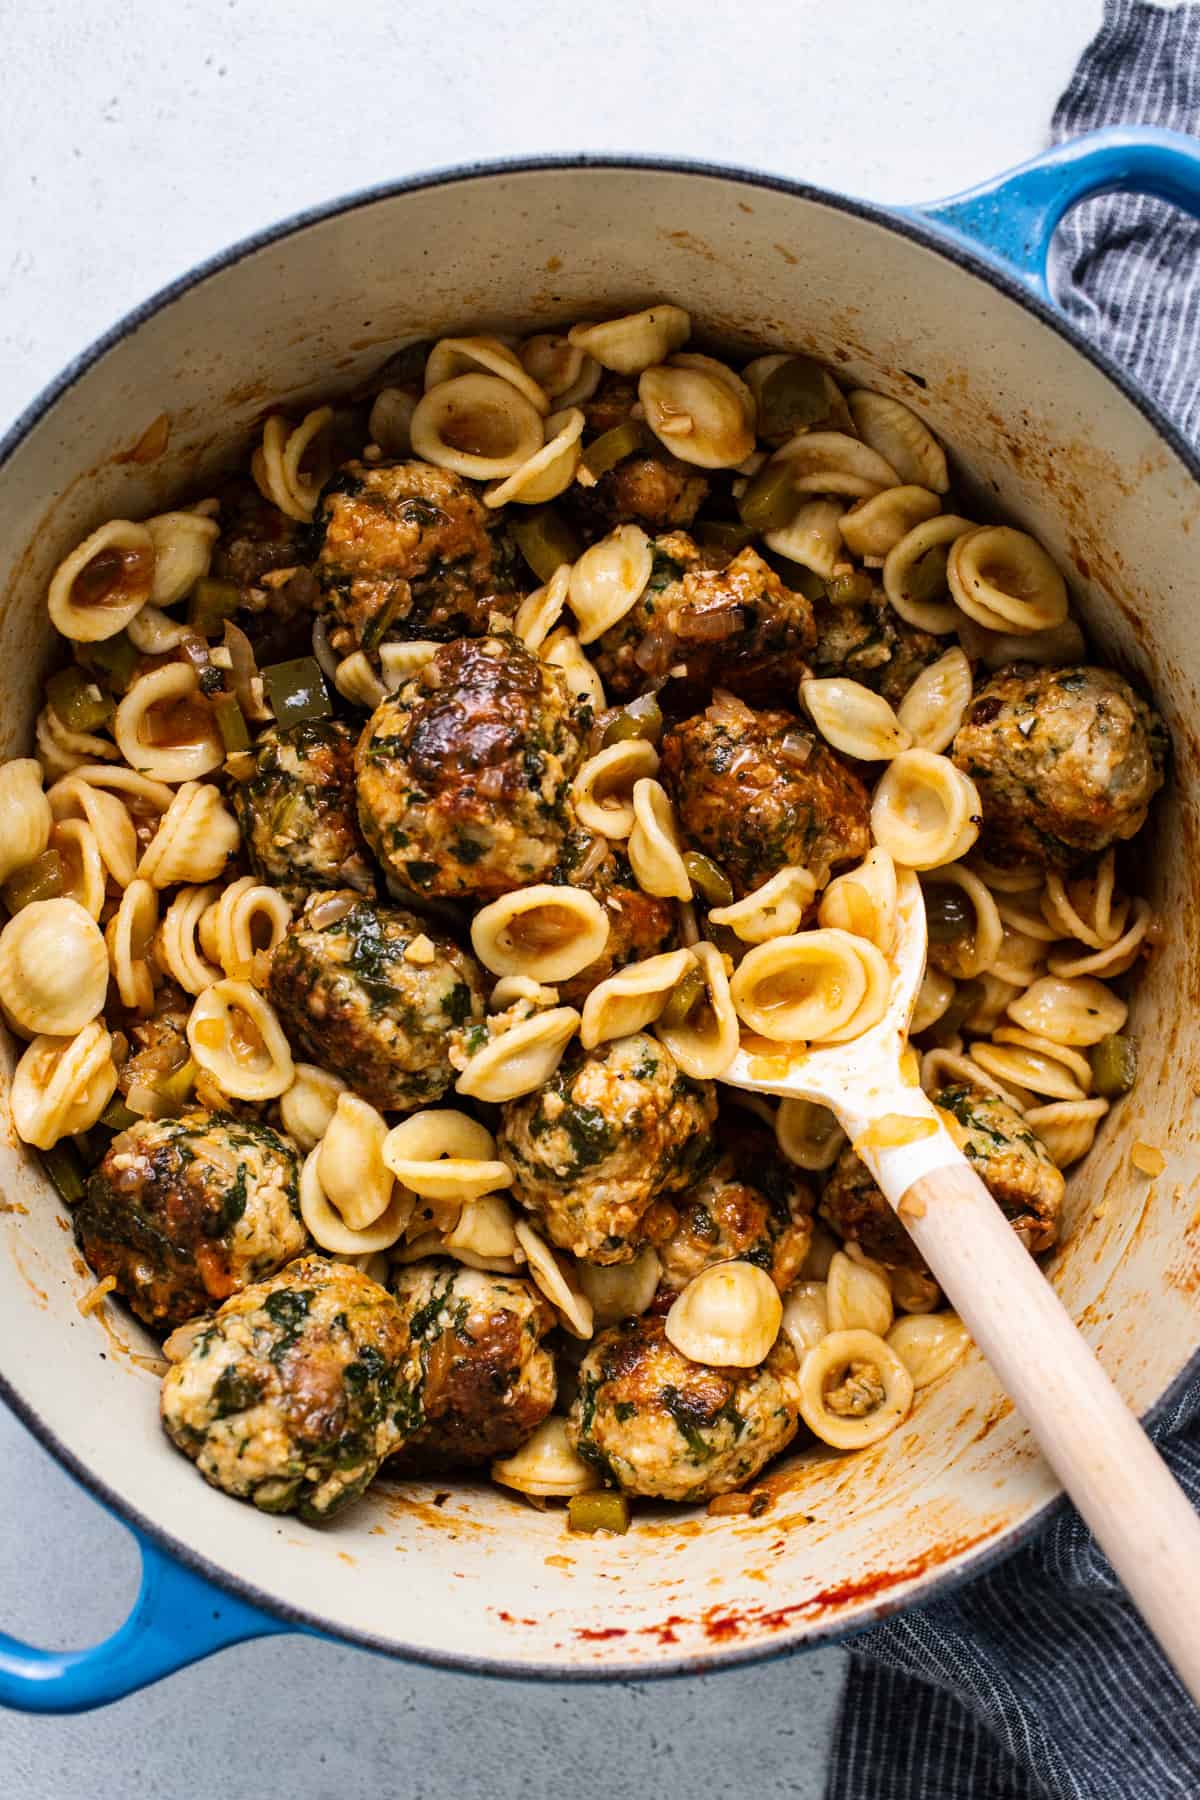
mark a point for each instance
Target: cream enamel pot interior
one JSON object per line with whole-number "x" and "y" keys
{"x": 909, "y": 303}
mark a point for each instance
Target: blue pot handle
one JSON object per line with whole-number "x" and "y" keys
{"x": 177, "y": 1619}
{"x": 1013, "y": 218}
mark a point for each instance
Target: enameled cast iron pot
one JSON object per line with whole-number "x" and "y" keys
{"x": 946, "y": 308}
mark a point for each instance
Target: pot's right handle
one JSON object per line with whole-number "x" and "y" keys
{"x": 1014, "y": 217}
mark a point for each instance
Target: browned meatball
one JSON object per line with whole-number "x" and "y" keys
{"x": 487, "y": 1380}
{"x": 184, "y": 1212}
{"x": 1066, "y": 761}
{"x": 464, "y": 773}
{"x": 758, "y": 790}
{"x": 404, "y": 550}
{"x": 733, "y": 624}
{"x": 157, "y": 1043}
{"x": 298, "y": 814}
{"x": 727, "y": 1219}
{"x": 639, "y": 925}
{"x": 870, "y": 643}
{"x": 1002, "y": 1150}
{"x": 649, "y": 487}
{"x": 256, "y": 538}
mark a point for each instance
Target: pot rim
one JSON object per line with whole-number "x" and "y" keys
{"x": 907, "y": 223}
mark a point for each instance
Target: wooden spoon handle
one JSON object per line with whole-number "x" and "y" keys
{"x": 1141, "y": 1518}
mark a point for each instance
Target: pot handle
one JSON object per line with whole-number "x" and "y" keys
{"x": 1013, "y": 218}
{"x": 178, "y": 1618}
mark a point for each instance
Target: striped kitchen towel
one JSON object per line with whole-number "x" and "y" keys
{"x": 1038, "y": 1681}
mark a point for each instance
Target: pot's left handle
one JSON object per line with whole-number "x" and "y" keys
{"x": 1014, "y": 217}
{"x": 177, "y": 1618}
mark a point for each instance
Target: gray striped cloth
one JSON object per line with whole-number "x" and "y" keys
{"x": 1038, "y": 1681}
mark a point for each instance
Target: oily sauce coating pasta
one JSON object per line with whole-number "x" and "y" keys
{"x": 184, "y": 1212}
{"x": 296, "y": 1390}
{"x": 487, "y": 1381}
{"x": 1066, "y": 761}
{"x": 298, "y": 814}
{"x": 464, "y": 773}
{"x": 639, "y": 925}
{"x": 758, "y": 790}
{"x": 404, "y": 550}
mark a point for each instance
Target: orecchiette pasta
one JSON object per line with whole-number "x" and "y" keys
{"x": 61, "y": 1085}
{"x": 773, "y": 910}
{"x": 809, "y": 1135}
{"x": 248, "y": 919}
{"x": 549, "y": 470}
{"x": 476, "y": 425}
{"x": 942, "y": 1068}
{"x": 620, "y": 1290}
{"x": 863, "y": 901}
{"x": 291, "y": 464}
{"x": 853, "y": 719}
{"x": 177, "y": 948}
{"x": 631, "y": 343}
{"x": 914, "y": 1292}
{"x": 545, "y": 932}
{"x": 811, "y": 537}
{"x": 390, "y": 421}
{"x": 729, "y": 1314}
{"x": 632, "y": 998}
{"x": 854, "y": 1389}
{"x": 806, "y": 1316}
{"x": 1067, "y": 1128}
{"x": 857, "y": 1296}
{"x": 654, "y": 844}
{"x": 308, "y": 1105}
{"x": 540, "y": 611}
{"x": 701, "y": 417}
{"x": 914, "y": 574}
{"x": 874, "y": 526}
{"x": 356, "y": 681}
{"x": 520, "y": 1059}
{"x": 705, "y": 1040}
{"x": 61, "y": 750}
{"x": 485, "y": 1231}
{"x": 399, "y": 661}
{"x": 84, "y": 877}
{"x": 53, "y": 968}
{"x": 236, "y": 1037}
{"x": 925, "y": 812}
{"x": 602, "y": 792}
{"x": 546, "y": 1466}
{"x": 74, "y": 797}
{"x": 816, "y": 986}
{"x": 976, "y": 951}
{"x": 928, "y": 1344}
{"x": 451, "y": 357}
{"x": 933, "y": 999}
{"x": 195, "y": 839}
{"x": 564, "y": 371}
{"x": 350, "y": 1162}
{"x": 934, "y": 706}
{"x": 554, "y": 1274}
{"x": 129, "y": 936}
{"x": 183, "y": 546}
{"x": 895, "y": 432}
{"x": 99, "y": 588}
{"x": 1005, "y": 580}
{"x": 1073, "y": 1010}
{"x": 330, "y": 1229}
{"x": 1113, "y": 959}
{"x": 444, "y": 1155}
{"x": 832, "y": 462}
{"x": 564, "y": 651}
{"x": 165, "y": 729}
{"x": 608, "y": 579}
{"x": 25, "y": 815}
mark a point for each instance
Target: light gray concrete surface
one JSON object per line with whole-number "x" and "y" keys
{"x": 136, "y": 139}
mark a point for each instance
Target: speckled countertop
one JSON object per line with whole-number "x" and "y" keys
{"x": 138, "y": 139}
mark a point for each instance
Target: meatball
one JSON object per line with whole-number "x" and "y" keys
{"x": 649, "y": 487}
{"x": 487, "y": 1382}
{"x": 758, "y": 790}
{"x": 256, "y": 538}
{"x": 1003, "y": 1151}
{"x": 639, "y": 925}
{"x": 464, "y": 773}
{"x": 295, "y": 1391}
{"x": 657, "y": 1424}
{"x": 158, "y": 1042}
{"x": 297, "y": 814}
{"x": 612, "y": 1130}
{"x": 871, "y": 644}
{"x": 1066, "y": 762}
{"x": 404, "y": 550}
{"x": 373, "y": 993}
{"x": 733, "y": 622}
{"x": 752, "y": 1207}
{"x": 184, "y": 1212}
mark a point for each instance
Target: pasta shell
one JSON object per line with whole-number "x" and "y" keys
{"x": 971, "y": 955}
{"x": 292, "y": 464}
{"x": 168, "y": 699}
{"x": 853, "y": 719}
{"x": 636, "y": 340}
{"x": 620, "y": 1290}
{"x": 61, "y": 1085}
{"x": 332, "y": 1232}
{"x": 895, "y": 431}
{"x": 178, "y": 952}
{"x": 84, "y": 876}
{"x": 867, "y": 1373}
{"x": 858, "y": 1297}
{"x": 25, "y": 815}
{"x": 549, "y": 471}
{"x": 833, "y": 462}
{"x": 1067, "y": 1128}
{"x": 545, "y": 932}
{"x": 195, "y": 839}
{"x": 874, "y": 526}
{"x": 773, "y": 910}
{"x": 608, "y": 579}
{"x": 654, "y": 844}
{"x": 809, "y": 1136}
{"x": 476, "y": 425}
{"x": 520, "y": 1059}
{"x": 104, "y": 583}
{"x": 563, "y": 650}
{"x": 356, "y": 681}
{"x": 564, "y": 371}
{"x": 553, "y": 1274}
{"x": 811, "y": 537}
{"x": 728, "y": 1315}
{"x": 350, "y": 1164}
{"x": 935, "y": 705}
{"x": 632, "y": 998}
{"x": 706, "y": 1041}
{"x": 444, "y": 1155}
{"x": 806, "y": 1316}
{"x": 183, "y": 546}
{"x": 129, "y": 936}
{"x": 1076, "y": 1010}
{"x": 914, "y": 570}
{"x": 540, "y": 611}
{"x": 451, "y": 357}
{"x": 236, "y": 1038}
{"x": 546, "y": 1466}
{"x": 1005, "y": 580}
{"x": 925, "y": 811}
{"x": 53, "y": 968}
{"x": 700, "y": 416}
{"x": 486, "y": 1229}
{"x": 390, "y": 422}
{"x": 309, "y": 1104}
{"x": 929, "y": 1344}
{"x": 801, "y": 988}
{"x": 602, "y": 792}
{"x": 863, "y": 901}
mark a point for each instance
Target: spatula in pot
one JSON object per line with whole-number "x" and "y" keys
{"x": 1140, "y": 1517}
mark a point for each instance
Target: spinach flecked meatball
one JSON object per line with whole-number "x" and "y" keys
{"x": 870, "y": 643}
{"x": 403, "y": 550}
{"x": 1007, "y": 1156}
{"x": 1066, "y": 761}
{"x": 464, "y": 773}
{"x": 487, "y": 1380}
{"x": 296, "y": 1390}
{"x": 298, "y": 813}
{"x": 759, "y": 790}
{"x": 613, "y": 1130}
{"x": 726, "y": 1218}
{"x": 647, "y": 486}
{"x": 658, "y": 1424}
{"x": 639, "y": 924}
{"x": 185, "y": 1212}
{"x": 373, "y": 993}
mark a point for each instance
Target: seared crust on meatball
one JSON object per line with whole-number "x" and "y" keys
{"x": 657, "y": 1424}
{"x": 464, "y": 773}
{"x": 758, "y": 790}
{"x": 639, "y": 924}
{"x": 1066, "y": 761}
{"x": 649, "y": 487}
{"x": 404, "y": 550}
{"x": 256, "y": 538}
{"x": 730, "y": 622}
{"x": 351, "y": 998}
{"x": 486, "y": 1380}
{"x": 298, "y": 814}
{"x": 293, "y": 1394}
{"x": 184, "y": 1212}
{"x": 612, "y": 1130}
{"x": 870, "y": 643}
{"x": 723, "y": 1219}
{"x": 1007, "y": 1156}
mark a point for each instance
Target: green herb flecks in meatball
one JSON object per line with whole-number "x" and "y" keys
{"x": 184, "y": 1212}
{"x": 403, "y": 550}
{"x": 738, "y": 1213}
{"x": 613, "y": 1129}
{"x": 296, "y": 1390}
{"x": 1004, "y": 1152}
{"x": 657, "y": 1424}
{"x": 646, "y": 486}
{"x": 356, "y": 997}
{"x": 464, "y": 773}
{"x": 1066, "y": 761}
{"x": 639, "y": 925}
{"x": 487, "y": 1381}
{"x": 759, "y": 790}
{"x": 298, "y": 814}
{"x": 868, "y": 642}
